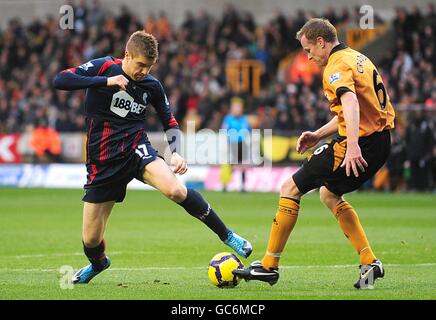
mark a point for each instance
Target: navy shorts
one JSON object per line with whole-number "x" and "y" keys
{"x": 108, "y": 181}
{"x": 323, "y": 167}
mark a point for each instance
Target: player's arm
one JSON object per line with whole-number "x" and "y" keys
{"x": 171, "y": 127}
{"x": 309, "y": 139}
{"x": 353, "y": 157}
{"x": 328, "y": 129}
{"x": 339, "y": 78}
{"x": 87, "y": 75}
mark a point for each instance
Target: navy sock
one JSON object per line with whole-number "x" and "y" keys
{"x": 197, "y": 207}
{"x": 96, "y": 255}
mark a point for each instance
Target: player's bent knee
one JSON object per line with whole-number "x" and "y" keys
{"x": 177, "y": 193}
{"x": 328, "y": 198}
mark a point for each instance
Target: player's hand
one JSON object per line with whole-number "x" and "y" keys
{"x": 307, "y": 140}
{"x": 353, "y": 160}
{"x": 180, "y": 164}
{"x": 120, "y": 81}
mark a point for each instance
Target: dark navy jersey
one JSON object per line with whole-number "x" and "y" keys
{"x": 115, "y": 118}
{"x": 111, "y": 103}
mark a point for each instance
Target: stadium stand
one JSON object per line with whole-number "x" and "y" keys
{"x": 193, "y": 68}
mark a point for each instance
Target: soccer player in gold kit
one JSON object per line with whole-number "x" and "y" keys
{"x": 363, "y": 117}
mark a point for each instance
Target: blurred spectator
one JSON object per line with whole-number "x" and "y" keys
{"x": 396, "y": 161}
{"x": 95, "y": 15}
{"x": 124, "y": 19}
{"x": 150, "y": 24}
{"x": 303, "y": 70}
{"x": 46, "y": 144}
{"x": 163, "y": 27}
{"x": 238, "y": 131}
{"x": 420, "y": 144}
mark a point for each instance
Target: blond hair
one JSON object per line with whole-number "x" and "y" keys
{"x": 318, "y": 27}
{"x": 237, "y": 100}
{"x": 144, "y": 44}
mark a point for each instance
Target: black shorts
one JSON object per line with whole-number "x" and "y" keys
{"x": 108, "y": 181}
{"x": 323, "y": 167}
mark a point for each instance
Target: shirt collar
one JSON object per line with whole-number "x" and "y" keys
{"x": 340, "y": 46}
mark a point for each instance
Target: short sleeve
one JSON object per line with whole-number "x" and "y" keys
{"x": 340, "y": 79}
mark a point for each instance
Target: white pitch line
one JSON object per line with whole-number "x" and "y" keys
{"x": 203, "y": 268}
{"x": 32, "y": 256}
{"x": 111, "y": 253}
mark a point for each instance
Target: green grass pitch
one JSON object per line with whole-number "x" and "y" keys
{"x": 160, "y": 252}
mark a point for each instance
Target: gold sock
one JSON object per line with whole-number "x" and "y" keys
{"x": 283, "y": 223}
{"x": 350, "y": 225}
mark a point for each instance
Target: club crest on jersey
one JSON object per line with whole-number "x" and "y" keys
{"x": 334, "y": 77}
{"x": 123, "y": 103}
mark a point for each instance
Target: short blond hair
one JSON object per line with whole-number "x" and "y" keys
{"x": 144, "y": 44}
{"x": 318, "y": 27}
{"x": 237, "y": 100}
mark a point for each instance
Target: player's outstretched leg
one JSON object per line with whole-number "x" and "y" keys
{"x": 159, "y": 175}
{"x": 197, "y": 206}
{"x": 99, "y": 262}
{"x": 257, "y": 272}
{"x": 284, "y": 221}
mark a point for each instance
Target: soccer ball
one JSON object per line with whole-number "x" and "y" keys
{"x": 220, "y": 270}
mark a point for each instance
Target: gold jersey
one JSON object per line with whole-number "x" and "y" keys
{"x": 349, "y": 70}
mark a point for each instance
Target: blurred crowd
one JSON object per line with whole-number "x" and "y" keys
{"x": 192, "y": 67}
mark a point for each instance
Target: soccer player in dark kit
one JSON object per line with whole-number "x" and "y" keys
{"x": 118, "y": 150}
